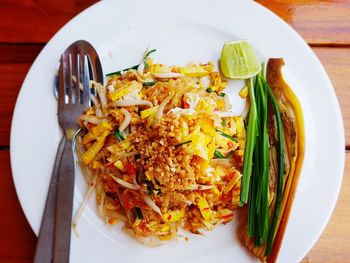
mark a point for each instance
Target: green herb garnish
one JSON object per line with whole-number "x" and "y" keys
{"x": 147, "y": 54}
{"x": 133, "y": 67}
{"x": 223, "y": 123}
{"x": 149, "y": 83}
{"x": 222, "y": 94}
{"x": 218, "y": 154}
{"x": 227, "y": 135}
{"x": 183, "y": 143}
{"x": 150, "y": 187}
{"x": 120, "y": 71}
{"x": 119, "y": 135}
{"x": 139, "y": 213}
{"x": 209, "y": 90}
{"x": 150, "y": 52}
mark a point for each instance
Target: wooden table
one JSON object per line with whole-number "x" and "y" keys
{"x": 26, "y": 26}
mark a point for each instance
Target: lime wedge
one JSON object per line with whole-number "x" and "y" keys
{"x": 238, "y": 60}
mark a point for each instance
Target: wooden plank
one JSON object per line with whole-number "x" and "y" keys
{"x": 19, "y": 53}
{"x": 337, "y": 64}
{"x": 11, "y": 78}
{"x": 334, "y": 243}
{"x": 17, "y": 240}
{"x": 318, "y": 22}
{"x": 36, "y": 21}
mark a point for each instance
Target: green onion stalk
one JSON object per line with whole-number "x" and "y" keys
{"x": 249, "y": 145}
{"x": 255, "y": 179}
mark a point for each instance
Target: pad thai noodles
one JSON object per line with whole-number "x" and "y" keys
{"x": 163, "y": 150}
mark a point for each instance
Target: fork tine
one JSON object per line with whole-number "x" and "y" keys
{"x": 92, "y": 74}
{"x": 80, "y": 77}
{"x": 75, "y": 81}
{"x": 91, "y": 71}
{"x": 96, "y": 67}
{"x": 86, "y": 82}
{"x": 61, "y": 82}
{"x": 69, "y": 79}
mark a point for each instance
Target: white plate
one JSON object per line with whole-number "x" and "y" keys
{"x": 182, "y": 31}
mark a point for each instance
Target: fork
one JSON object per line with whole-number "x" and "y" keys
{"x": 71, "y": 103}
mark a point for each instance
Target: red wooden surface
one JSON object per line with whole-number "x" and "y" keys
{"x": 320, "y": 22}
{"x": 25, "y": 26}
{"x": 11, "y": 78}
{"x": 17, "y": 240}
{"x": 25, "y": 21}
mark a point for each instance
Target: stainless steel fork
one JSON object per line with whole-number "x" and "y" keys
{"x": 71, "y": 103}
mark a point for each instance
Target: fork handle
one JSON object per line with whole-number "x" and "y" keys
{"x": 64, "y": 204}
{"x": 43, "y": 250}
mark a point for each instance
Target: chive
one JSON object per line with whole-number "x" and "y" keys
{"x": 258, "y": 209}
{"x": 223, "y": 123}
{"x": 183, "y": 143}
{"x": 149, "y": 184}
{"x": 263, "y": 141}
{"x": 251, "y": 203}
{"x": 209, "y": 90}
{"x": 222, "y": 94}
{"x": 133, "y": 67}
{"x": 249, "y": 145}
{"x": 148, "y": 53}
{"x": 119, "y": 135}
{"x": 255, "y": 180}
{"x": 227, "y": 135}
{"x": 218, "y": 154}
{"x": 150, "y": 187}
{"x": 120, "y": 71}
{"x": 139, "y": 212}
{"x": 280, "y": 152}
{"x": 149, "y": 83}
{"x": 253, "y": 216}
{"x": 261, "y": 200}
